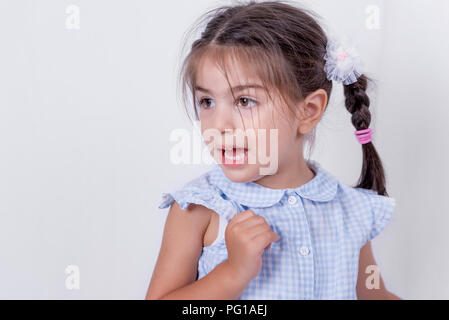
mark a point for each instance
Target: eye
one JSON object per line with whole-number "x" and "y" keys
{"x": 202, "y": 101}
{"x": 246, "y": 102}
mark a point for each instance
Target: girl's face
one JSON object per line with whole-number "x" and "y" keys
{"x": 224, "y": 121}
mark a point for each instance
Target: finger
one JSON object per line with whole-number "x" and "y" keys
{"x": 264, "y": 239}
{"x": 242, "y": 216}
{"x": 254, "y": 231}
{"x": 251, "y": 221}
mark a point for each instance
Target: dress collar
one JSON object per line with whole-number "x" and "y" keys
{"x": 323, "y": 187}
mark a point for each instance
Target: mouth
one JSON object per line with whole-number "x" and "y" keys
{"x": 232, "y": 156}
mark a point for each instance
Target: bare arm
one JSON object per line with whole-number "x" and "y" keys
{"x": 176, "y": 268}
{"x": 219, "y": 284}
{"x": 363, "y": 293}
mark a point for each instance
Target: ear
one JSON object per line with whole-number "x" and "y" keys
{"x": 312, "y": 109}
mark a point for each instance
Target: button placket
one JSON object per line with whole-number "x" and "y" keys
{"x": 292, "y": 200}
{"x": 303, "y": 248}
{"x": 304, "y": 251}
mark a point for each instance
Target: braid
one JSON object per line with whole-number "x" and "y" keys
{"x": 357, "y": 103}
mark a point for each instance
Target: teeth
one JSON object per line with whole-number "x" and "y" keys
{"x": 231, "y": 148}
{"x": 229, "y": 154}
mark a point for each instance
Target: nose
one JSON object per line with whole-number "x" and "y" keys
{"x": 223, "y": 118}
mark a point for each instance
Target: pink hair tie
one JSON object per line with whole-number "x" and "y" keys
{"x": 364, "y": 136}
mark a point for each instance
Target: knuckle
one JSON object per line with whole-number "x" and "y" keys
{"x": 243, "y": 213}
{"x": 260, "y": 218}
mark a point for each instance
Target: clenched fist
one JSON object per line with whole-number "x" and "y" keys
{"x": 246, "y": 236}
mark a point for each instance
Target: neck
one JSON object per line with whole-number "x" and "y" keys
{"x": 288, "y": 176}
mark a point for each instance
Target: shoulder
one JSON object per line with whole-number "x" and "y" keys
{"x": 200, "y": 191}
{"x": 360, "y": 198}
{"x": 370, "y": 210}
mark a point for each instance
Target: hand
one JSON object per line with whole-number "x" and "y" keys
{"x": 246, "y": 236}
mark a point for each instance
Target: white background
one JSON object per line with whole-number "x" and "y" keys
{"x": 85, "y": 120}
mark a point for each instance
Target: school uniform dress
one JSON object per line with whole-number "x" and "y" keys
{"x": 322, "y": 225}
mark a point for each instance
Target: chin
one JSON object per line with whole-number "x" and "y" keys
{"x": 245, "y": 173}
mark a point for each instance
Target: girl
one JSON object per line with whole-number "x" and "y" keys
{"x": 292, "y": 231}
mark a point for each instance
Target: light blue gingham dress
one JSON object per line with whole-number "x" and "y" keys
{"x": 322, "y": 226}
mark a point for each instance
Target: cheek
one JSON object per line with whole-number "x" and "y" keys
{"x": 259, "y": 125}
{"x": 283, "y": 136}
{"x": 209, "y": 135}
{"x": 203, "y": 118}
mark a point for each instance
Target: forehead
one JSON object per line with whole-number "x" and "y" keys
{"x": 211, "y": 76}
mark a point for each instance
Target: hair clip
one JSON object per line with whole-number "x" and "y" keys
{"x": 343, "y": 63}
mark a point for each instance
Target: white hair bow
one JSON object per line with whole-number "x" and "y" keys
{"x": 343, "y": 63}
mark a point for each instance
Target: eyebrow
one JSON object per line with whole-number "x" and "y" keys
{"x": 236, "y": 88}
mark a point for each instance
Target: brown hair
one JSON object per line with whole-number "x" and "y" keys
{"x": 284, "y": 46}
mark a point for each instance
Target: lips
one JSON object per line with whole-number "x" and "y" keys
{"x": 233, "y": 154}
{"x": 236, "y": 154}
{"x": 230, "y": 147}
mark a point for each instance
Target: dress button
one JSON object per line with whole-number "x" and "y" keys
{"x": 304, "y": 251}
{"x": 291, "y": 199}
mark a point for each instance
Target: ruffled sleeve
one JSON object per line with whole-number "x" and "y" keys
{"x": 377, "y": 212}
{"x": 199, "y": 192}
{"x": 382, "y": 210}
